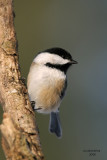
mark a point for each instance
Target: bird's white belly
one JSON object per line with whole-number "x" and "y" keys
{"x": 45, "y": 89}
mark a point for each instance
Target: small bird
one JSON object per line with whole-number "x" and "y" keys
{"x": 47, "y": 82}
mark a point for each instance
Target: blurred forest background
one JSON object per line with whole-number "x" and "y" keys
{"x": 79, "y": 26}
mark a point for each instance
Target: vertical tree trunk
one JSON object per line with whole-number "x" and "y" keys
{"x": 20, "y": 139}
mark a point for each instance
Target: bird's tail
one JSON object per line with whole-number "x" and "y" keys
{"x": 55, "y": 126}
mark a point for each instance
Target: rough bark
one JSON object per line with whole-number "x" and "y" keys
{"x": 20, "y": 139}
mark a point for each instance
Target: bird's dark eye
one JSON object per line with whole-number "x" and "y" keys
{"x": 62, "y": 56}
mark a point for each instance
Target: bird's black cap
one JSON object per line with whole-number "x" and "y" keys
{"x": 59, "y": 51}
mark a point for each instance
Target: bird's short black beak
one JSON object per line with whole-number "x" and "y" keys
{"x": 73, "y": 62}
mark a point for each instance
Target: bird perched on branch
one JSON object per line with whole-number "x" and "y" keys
{"x": 47, "y": 83}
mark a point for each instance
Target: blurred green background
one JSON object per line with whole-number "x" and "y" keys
{"x": 79, "y": 26}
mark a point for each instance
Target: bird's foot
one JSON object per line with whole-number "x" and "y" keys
{"x": 37, "y": 109}
{"x": 33, "y": 105}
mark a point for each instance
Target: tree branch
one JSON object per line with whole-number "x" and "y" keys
{"x": 20, "y": 139}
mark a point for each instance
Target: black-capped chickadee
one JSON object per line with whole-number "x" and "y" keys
{"x": 47, "y": 83}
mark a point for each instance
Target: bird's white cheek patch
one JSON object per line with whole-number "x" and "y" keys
{"x": 46, "y": 57}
